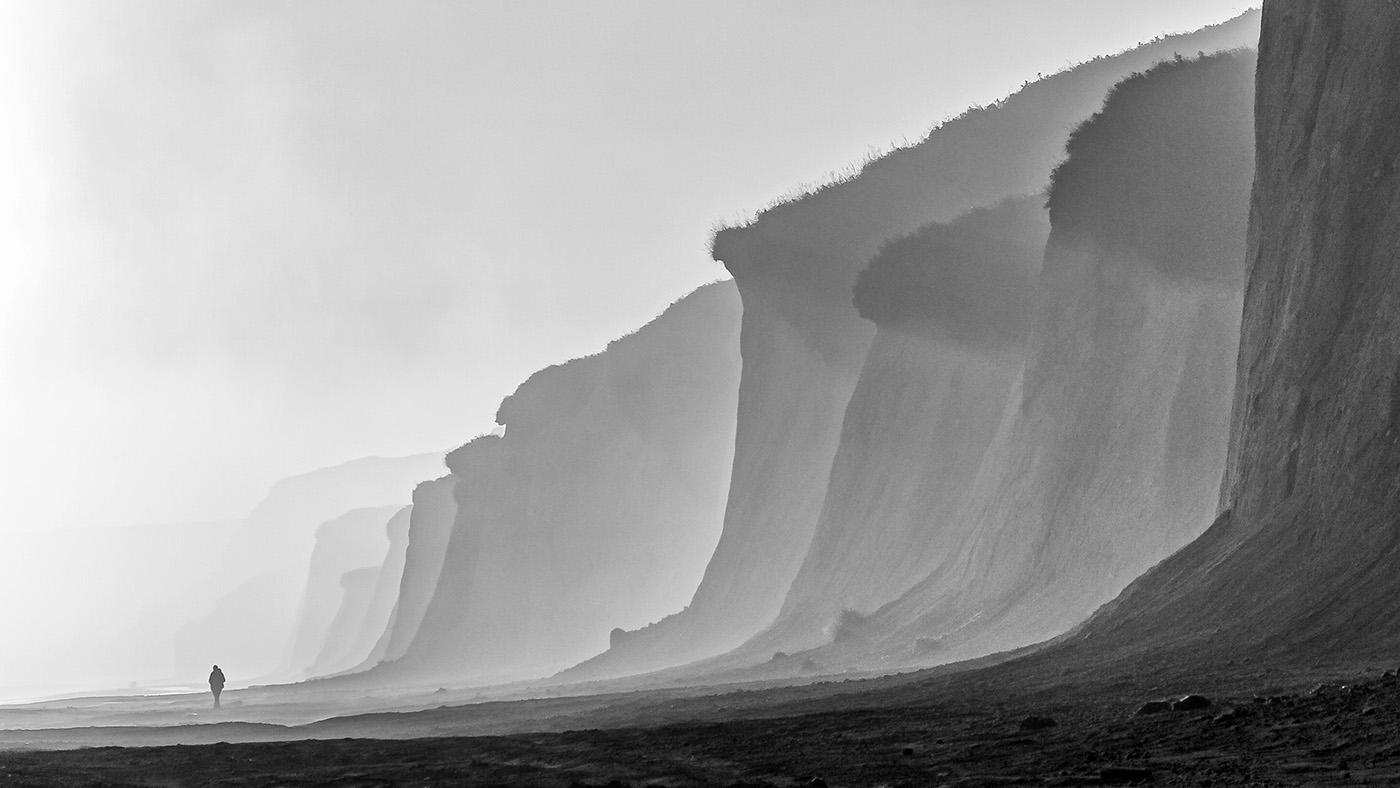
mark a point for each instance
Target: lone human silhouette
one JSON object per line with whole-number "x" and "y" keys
{"x": 216, "y": 684}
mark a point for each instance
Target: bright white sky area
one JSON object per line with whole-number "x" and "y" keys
{"x": 242, "y": 240}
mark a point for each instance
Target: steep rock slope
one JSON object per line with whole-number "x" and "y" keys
{"x": 597, "y": 508}
{"x": 804, "y": 345}
{"x": 350, "y": 542}
{"x": 1303, "y": 561}
{"x": 357, "y": 592}
{"x": 951, "y": 305}
{"x": 429, "y": 528}
{"x": 354, "y": 635}
{"x": 1111, "y": 447}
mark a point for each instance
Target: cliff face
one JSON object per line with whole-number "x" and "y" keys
{"x": 1116, "y": 436}
{"x": 951, "y": 304}
{"x": 353, "y": 541}
{"x": 596, "y": 509}
{"x": 804, "y": 346}
{"x": 357, "y": 591}
{"x": 361, "y": 624}
{"x": 430, "y": 526}
{"x": 1303, "y": 561}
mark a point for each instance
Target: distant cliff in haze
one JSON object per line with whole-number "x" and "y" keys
{"x": 353, "y": 541}
{"x": 243, "y": 610}
{"x": 430, "y": 526}
{"x": 805, "y": 346}
{"x": 595, "y": 511}
{"x": 367, "y": 601}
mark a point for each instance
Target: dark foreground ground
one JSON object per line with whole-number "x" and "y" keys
{"x": 1314, "y": 725}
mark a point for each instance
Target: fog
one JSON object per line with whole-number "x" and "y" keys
{"x": 249, "y": 241}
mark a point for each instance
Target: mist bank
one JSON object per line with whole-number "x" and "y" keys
{"x": 804, "y": 345}
{"x": 153, "y": 606}
{"x": 1301, "y": 562}
{"x": 595, "y": 510}
{"x": 243, "y": 615}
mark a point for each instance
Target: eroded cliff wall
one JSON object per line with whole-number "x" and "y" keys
{"x": 356, "y": 594}
{"x": 598, "y": 507}
{"x": 951, "y": 305}
{"x": 430, "y": 526}
{"x": 355, "y": 637}
{"x": 351, "y": 542}
{"x": 1109, "y": 450}
{"x": 1303, "y": 562}
{"x": 804, "y": 345}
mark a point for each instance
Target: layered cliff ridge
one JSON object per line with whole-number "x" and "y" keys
{"x": 1302, "y": 562}
{"x": 356, "y": 593}
{"x": 804, "y": 345}
{"x": 430, "y": 526}
{"x": 354, "y": 541}
{"x": 242, "y": 611}
{"x": 367, "y": 605}
{"x": 952, "y": 306}
{"x": 594, "y": 511}
{"x": 1112, "y": 444}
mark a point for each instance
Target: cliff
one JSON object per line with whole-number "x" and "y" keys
{"x": 241, "y": 612}
{"x": 1302, "y": 562}
{"x": 804, "y": 345}
{"x": 357, "y": 592}
{"x": 597, "y": 508}
{"x": 360, "y": 624}
{"x": 430, "y": 525}
{"x": 350, "y": 542}
{"x": 1116, "y": 436}
{"x": 951, "y": 305}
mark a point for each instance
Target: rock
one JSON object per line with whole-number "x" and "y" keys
{"x": 1191, "y": 703}
{"x": 1232, "y": 715}
{"x": 1124, "y": 775}
{"x": 816, "y": 782}
{"x": 1154, "y": 707}
{"x": 908, "y": 751}
{"x": 1035, "y": 723}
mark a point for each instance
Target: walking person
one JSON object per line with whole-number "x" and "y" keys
{"x": 216, "y": 684}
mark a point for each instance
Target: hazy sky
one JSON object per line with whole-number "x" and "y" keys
{"x": 248, "y": 239}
